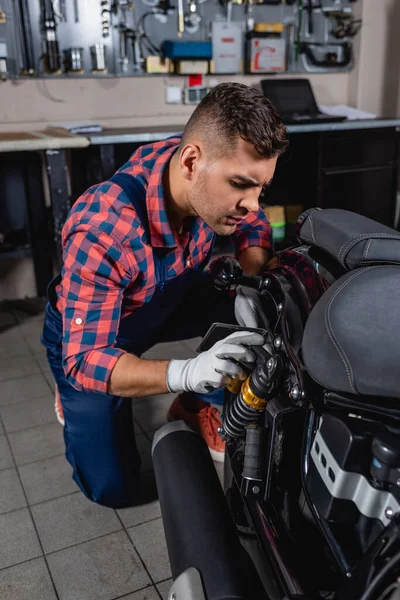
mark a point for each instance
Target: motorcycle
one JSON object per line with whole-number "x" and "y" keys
{"x": 311, "y": 505}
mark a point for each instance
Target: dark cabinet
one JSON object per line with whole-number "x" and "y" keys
{"x": 358, "y": 172}
{"x": 355, "y": 170}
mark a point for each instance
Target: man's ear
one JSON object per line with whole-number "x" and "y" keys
{"x": 189, "y": 160}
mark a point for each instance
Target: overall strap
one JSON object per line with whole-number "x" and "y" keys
{"x": 137, "y": 196}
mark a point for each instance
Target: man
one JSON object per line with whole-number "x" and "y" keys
{"x": 134, "y": 250}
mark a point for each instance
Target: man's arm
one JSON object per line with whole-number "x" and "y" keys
{"x": 133, "y": 376}
{"x": 96, "y": 272}
{"x": 253, "y": 260}
{"x": 253, "y": 240}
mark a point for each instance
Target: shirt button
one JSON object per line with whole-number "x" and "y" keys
{"x": 78, "y": 321}
{"x": 188, "y": 262}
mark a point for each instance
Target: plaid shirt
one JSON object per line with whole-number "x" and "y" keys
{"x": 108, "y": 269}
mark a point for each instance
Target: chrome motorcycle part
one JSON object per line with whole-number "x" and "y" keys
{"x": 345, "y": 485}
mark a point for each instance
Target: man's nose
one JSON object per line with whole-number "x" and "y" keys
{"x": 250, "y": 201}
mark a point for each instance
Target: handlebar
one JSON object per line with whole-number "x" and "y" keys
{"x": 227, "y": 274}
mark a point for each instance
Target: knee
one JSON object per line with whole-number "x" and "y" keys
{"x": 111, "y": 492}
{"x": 116, "y": 498}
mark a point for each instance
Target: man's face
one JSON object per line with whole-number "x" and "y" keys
{"x": 224, "y": 190}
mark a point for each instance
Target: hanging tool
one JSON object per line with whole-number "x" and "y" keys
{"x": 192, "y": 18}
{"x": 345, "y": 24}
{"x": 123, "y": 47}
{"x": 76, "y": 11}
{"x": 24, "y": 32}
{"x": 181, "y": 18}
{"x": 51, "y": 55}
{"x": 311, "y": 6}
{"x": 300, "y": 8}
{"x": 105, "y": 18}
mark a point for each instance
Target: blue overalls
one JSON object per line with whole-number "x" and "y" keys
{"x": 99, "y": 433}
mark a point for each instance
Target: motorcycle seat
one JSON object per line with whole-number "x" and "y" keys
{"x": 351, "y": 239}
{"x": 351, "y": 338}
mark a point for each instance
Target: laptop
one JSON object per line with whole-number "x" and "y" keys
{"x": 295, "y": 101}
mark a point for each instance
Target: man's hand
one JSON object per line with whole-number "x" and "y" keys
{"x": 248, "y": 308}
{"x": 216, "y": 367}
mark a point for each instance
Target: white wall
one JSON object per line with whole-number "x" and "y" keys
{"x": 373, "y": 85}
{"x": 116, "y": 102}
{"x": 378, "y": 83}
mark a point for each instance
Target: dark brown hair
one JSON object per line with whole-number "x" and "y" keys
{"x": 233, "y": 110}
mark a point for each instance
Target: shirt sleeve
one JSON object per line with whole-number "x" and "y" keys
{"x": 255, "y": 230}
{"x": 95, "y": 274}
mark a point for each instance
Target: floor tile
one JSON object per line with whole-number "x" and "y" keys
{"x": 19, "y": 541}
{"x": 71, "y": 520}
{"x": 50, "y": 379}
{"x": 151, "y": 412}
{"x": 7, "y": 320}
{"x": 149, "y": 593}
{"x": 47, "y": 479}
{"x": 18, "y": 367}
{"x": 101, "y": 569}
{"x": 11, "y": 493}
{"x": 25, "y": 388}
{"x": 13, "y": 345}
{"x": 164, "y": 588}
{"x": 37, "y": 443}
{"x": 29, "y": 581}
{"x": 41, "y": 359}
{"x": 6, "y": 459}
{"x": 28, "y": 414}
{"x": 32, "y": 327}
{"x": 168, "y": 351}
{"x": 148, "y": 507}
{"x": 149, "y": 541}
{"x": 33, "y": 342}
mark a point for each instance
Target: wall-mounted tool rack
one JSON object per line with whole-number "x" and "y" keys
{"x": 103, "y": 38}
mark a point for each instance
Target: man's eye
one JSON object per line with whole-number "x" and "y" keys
{"x": 239, "y": 186}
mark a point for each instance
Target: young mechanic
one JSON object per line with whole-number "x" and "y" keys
{"x": 134, "y": 252}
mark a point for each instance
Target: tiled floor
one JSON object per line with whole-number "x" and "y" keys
{"x": 54, "y": 543}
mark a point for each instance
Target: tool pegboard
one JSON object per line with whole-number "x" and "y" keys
{"x": 108, "y": 38}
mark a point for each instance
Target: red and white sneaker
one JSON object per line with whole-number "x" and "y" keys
{"x": 204, "y": 419}
{"x": 58, "y": 408}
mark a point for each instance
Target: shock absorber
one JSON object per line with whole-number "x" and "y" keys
{"x": 248, "y": 407}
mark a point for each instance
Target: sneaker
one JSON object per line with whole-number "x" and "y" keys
{"x": 58, "y": 408}
{"x": 205, "y": 420}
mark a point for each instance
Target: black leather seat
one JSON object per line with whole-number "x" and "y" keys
{"x": 351, "y": 239}
{"x": 351, "y": 342}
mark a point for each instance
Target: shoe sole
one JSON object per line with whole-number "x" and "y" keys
{"x": 215, "y": 455}
{"x": 60, "y": 419}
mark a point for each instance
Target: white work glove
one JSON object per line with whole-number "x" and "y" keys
{"x": 248, "y": 308}
{"x": 214, "y": 368}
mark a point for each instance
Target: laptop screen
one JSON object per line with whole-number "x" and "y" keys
{"x": 290, "y": 96}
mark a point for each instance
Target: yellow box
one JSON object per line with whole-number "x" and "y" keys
{"x": 157, "y": 64}
{"x": 293, "y": 211}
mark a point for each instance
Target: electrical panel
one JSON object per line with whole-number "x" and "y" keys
{"x": 108, "y": 38}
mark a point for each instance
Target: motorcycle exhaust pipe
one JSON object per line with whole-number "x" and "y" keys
{"x": 207, "y": 560}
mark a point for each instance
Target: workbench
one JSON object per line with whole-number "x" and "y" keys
{"x": 351, "y": 165}
{"x": 24, "y": 157}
